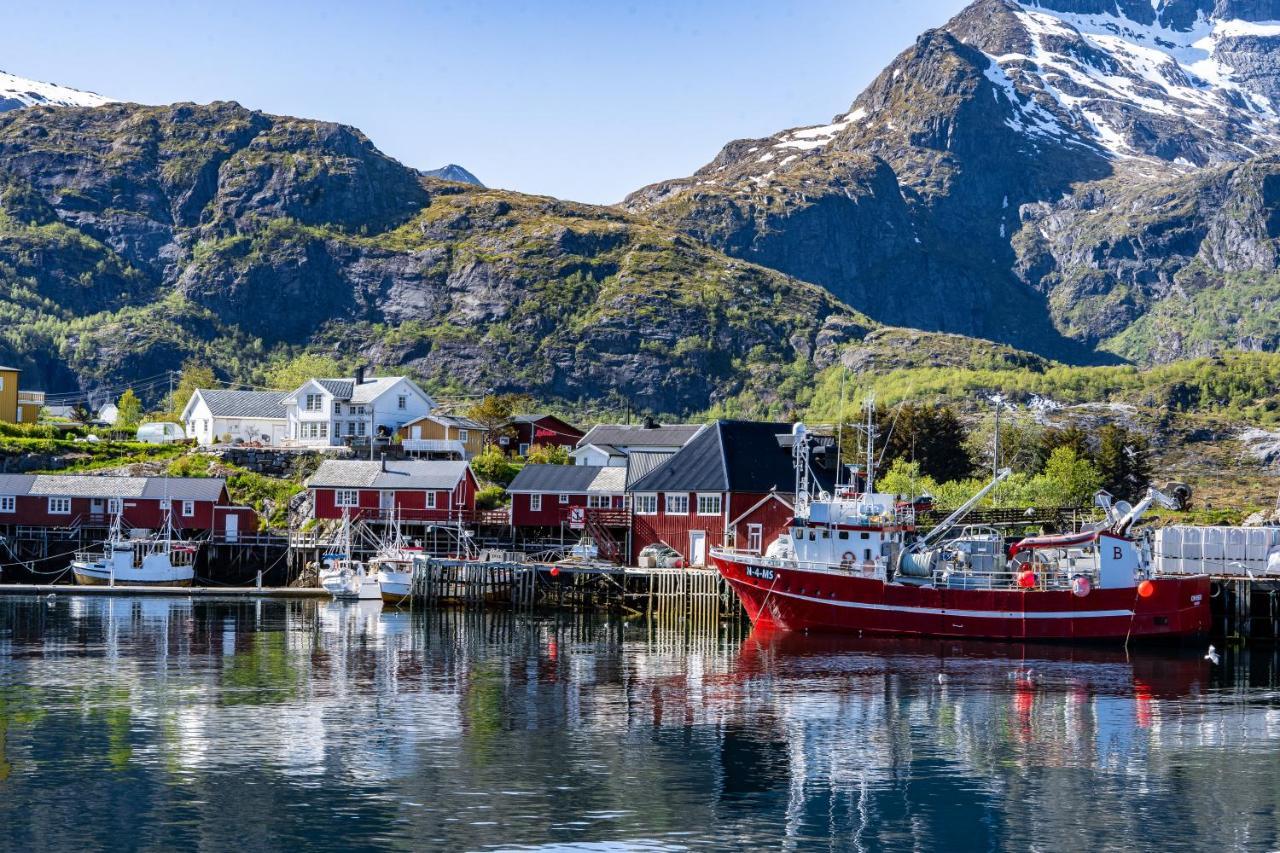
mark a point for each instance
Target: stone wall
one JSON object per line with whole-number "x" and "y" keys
{"x": 277, "y": 462}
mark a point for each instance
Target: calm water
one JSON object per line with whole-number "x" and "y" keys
{"x": 238, "y": 725}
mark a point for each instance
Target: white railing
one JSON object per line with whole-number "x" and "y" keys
{"x": 433, "y": 445}
{"x": 31, "y": 397}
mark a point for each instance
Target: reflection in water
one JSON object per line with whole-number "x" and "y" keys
{"x": 156, "y": 724}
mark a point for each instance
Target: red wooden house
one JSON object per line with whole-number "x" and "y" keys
{"x": 529, "y": 430}
{"x": 198, "y": 504}
{"x": 731, "y": 485}
{"x": 549, "y": 495}
{"x": 415, "y": 490}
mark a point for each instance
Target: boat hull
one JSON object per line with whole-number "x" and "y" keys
{"x": 799, "y": 599}
{"x": 394, "y": 586}
{"x": 88, "y": 578}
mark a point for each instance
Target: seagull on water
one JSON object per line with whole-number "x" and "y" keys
{"x": 1213, "y": 656}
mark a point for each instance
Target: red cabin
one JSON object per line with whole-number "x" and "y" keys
{"x": 413, "y": 490}
{"x": 732, "y": 484}
{"x": 198, "y": 504}
{"x": 542, "y": 429}
{"x": 551, "y": 495}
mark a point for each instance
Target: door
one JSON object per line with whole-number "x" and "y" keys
{"x": 697, "y": 548}
{"x": 97, "y": 507}
{"x": 386, "y": 502}
{"x": 232, "y": 527}
{"x": 417, "y": 432}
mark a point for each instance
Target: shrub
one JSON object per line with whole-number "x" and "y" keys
{"x": 491, "y": 497}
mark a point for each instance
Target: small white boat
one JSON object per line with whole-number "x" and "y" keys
{"x": 344, "y": 577}
{"x": 392, "y": 567}
{"x": 155, "y": 561}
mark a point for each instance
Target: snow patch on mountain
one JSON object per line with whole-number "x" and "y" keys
{"x": 17, "y": 92}
{"x": 809, "y": 138}
{"x": 1097, "y": 71}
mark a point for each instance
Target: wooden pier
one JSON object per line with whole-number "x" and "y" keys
{"x": 151, "y": 589}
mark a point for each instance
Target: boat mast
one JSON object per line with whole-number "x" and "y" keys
{"x": 871, "y": 444}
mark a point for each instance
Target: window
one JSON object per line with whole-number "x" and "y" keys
{"x": 524, "y": 450}
{"x": 755, "y": 538}
{"x": 360, "y": 430}
{"x": 708, "y": 504}
{"x": 598, "y": 502}
{"x": 164, "y": 504}
{"x": 646, "y": 504}
{"x": 346, "y": 497}
{"x": 678, "y": 504}
{"x": 564, "y": 499}
{"x": 113, "y": 505}
{"x": 337, "y": 407}
{"x": 462, "y": 435}
{"x": 314, "y": 429}
{"x": 843, "y": 534}
{"x": 402, "y": 402}
{"x": 188, "y": 508}
{"x": 8, "y": 503}
{"x": 535, "y": 503}
{"x": 59, "y": 506}
{"x": 19, "y": 408}
{"x": 430, "y": 502}
{"x": 314, "y": 402}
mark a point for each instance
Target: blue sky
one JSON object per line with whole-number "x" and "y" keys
{"x": 580, "y": 100}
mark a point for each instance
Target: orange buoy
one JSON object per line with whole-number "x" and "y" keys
{"x": 1146, "y": 589}
{"x": 1026, "y": 579}
{"x": 555, "y": 571}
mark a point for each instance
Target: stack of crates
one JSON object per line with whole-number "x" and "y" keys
{"x": 1223, "y": 551}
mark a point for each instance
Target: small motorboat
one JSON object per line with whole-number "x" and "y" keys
{"x": 160, "y": 560}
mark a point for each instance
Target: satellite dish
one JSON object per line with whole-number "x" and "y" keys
{"x": 1123, "y": 508}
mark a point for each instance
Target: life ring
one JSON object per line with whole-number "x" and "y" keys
{"x": 847, "y": 558}
{"x": 1215, "y": 589}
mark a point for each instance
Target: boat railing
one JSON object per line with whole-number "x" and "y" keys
{"x": 1043, "y": 577}
{"x": 855, "y": 568}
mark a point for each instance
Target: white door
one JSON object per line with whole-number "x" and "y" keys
{"x": 697, "y": 548}
{"x": 417, "y": 432}
{"x": 232, "y": 527}
{"x": 386, "y": 501}
{"x": 277, "y": 433}
{"x": 97, "y": 507}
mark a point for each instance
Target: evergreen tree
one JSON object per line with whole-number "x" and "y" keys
{"x": 1123, "y": 462}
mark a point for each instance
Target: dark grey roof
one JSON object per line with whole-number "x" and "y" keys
{"x": 245, "y": 404}
{"x": 642, "y": 462}
{"x": 729, "y": 456}
{"x": 411, "y": 474}
{"x": 626, "y": 435}
{"x": 570, "y": 479}
{"x": 89, "y": 486}
{"x": 340, "y": 388}
{"x": 454, "y": 421}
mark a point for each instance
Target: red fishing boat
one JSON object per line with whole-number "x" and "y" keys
{"x": 852, "y": 562}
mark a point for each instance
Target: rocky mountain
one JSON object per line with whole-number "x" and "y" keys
{"x": 1080, "y": 178}
{"x": 16, "y": 92}
{"x": 452, "y": 172}
{"x": 134, "y": 237}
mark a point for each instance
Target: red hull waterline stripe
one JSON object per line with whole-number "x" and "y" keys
{"x": 942, "y": 611}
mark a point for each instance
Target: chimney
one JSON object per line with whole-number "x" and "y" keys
{"x": 650, "y": 423}
{"x": 384, "y": 463}
{"x": 360, "y": 375}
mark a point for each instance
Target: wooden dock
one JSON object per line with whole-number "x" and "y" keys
{"x": 183, "y": 591}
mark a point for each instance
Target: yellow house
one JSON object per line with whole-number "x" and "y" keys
{"x": 22, "y": 407}
{"x": 442, "y": 435}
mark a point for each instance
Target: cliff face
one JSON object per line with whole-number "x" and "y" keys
{"x": 951, "y": 196}
{"x": 133, "y": 237}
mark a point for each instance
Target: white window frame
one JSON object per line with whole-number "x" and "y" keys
{"x": 755, "y": 538}
{"x": 564, "y": 499}
{"x": 59, "y": 506}
{"x": 523, "y": 450}
{"x": 113, "y": 506}
{"x": 8, "y": 503}
{"x": 646, "y": 504}
{"x": 430, "y": 500}
{"x": 314, "y": 403}
{"x": 676, "y": 503}
{"x": 599, "y": 502}
{"x": 188, "y": 508}
{"x": 402, "y": 401}
{"x": 535, "y": 503}
{"x": 346, "y": 498}
{"x": 711, "y": 508}
{"x": 463, "y": 435}
{"x": 360, "y": 430}
{"x": 337, "y": 407}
